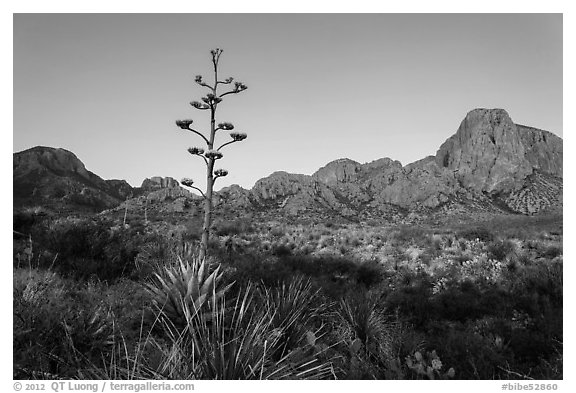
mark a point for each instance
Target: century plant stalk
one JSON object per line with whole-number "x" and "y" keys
{"x": 210, "y": 102}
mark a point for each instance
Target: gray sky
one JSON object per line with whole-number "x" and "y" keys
{"x": 321, "y": 86}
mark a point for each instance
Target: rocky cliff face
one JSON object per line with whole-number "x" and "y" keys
{"x": 342, "y": 170}
{"x": 489, "y": 153}
{"x": 158, "y": 182}
{"x": 489, "y": 162}
{"x": 542, "y": 149}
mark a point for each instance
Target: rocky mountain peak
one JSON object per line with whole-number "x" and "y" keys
{"x": 158, "y": 182}
{"x": 57, "y": 160}
{"x": 338, "y": 171}
{"x": 489, "y": 153}
{"x": 56, "y": 177}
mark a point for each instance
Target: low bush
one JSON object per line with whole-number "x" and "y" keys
{"x": 236, "y": 227}
{"x": 481, "y": 233}
{"x": 60, "y": 327}
{"x": 369, "y": 273}
{"x": 501, "y": 249}
{"x": 281, "y": 250}
{"x": 552, "y": 252}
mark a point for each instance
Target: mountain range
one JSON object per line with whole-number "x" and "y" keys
{"x": 490, "y": 164}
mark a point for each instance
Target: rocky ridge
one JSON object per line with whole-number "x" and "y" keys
{"x": 490, "y": 164}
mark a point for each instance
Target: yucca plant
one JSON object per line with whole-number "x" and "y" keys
{"x": 366, "y": 333}
{"x": 293, "y": 308}
{"x": 183, "y": 288}
{"x": 235, "y": 342}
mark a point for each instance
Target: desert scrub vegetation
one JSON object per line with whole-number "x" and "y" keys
{"x": 270, "y": 302}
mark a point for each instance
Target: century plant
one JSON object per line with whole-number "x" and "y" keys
{"x": 211, "y": 154}
{"x": 182, "y": 289}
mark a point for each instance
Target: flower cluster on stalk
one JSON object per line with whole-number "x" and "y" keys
{"x": 187, "y": 182}
{"x": 199, "y": 105}
{"x": 213, "y": 154}
{"x": 211, "y": 99}
{"x": 226, "y": 126}
{"x": 220, "y": 172}
{"x": 238, "y": 136}
{"x": 184, "y": 124}
{"x": 196, "y": 150}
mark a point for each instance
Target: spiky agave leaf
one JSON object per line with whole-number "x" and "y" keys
{"x": 181, "y": 289}
{"x": 235, "y": 342}
{"x": 294, "y": 305}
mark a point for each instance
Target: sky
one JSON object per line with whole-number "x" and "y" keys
{"x": 109, "y": 87}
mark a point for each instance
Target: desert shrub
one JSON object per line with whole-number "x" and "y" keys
{"x": 294, "y": 306}
{"x": 364, "y": 334}
{"x": 412, "y": 299}
{"x": 538, "y": 284}
{"x": 281, "y": 250}
{"x": 458, "y": 303}
{"x": 500, "y": 249}
{"x": 364, "y": 320}
{"x": 326, "y": 242}
{"x": 307, "y": 249}
{"x": 193, "y": 232}
{"x": 252, "y": 268}
{"x": 59, "y": 327}
{"x": 130, "y": 304}
{"x": 473, "y": 355}
{"x": 523, "y": 258}
{"x": 277, "y": 232}
{"x": 23, "y": 221}
{"x": 481, "y": 233}
{"x": 369, "y": 273}
{"x": 352, "y": 241}
{"x": 436, "y": 243}
{"x": 552, "y": 252}
{"x": 88, "y": 248}
{"x": 236, "y": 227}
{"x": 410, "y": 234}
{"x": 321, "y": 266}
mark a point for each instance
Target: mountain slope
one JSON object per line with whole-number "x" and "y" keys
{"x": 56, "y": 177}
